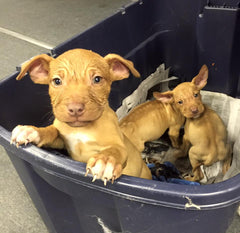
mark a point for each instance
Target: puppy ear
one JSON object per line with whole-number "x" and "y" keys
{"x": 119, "y": 67}
{"x": 200, "y": 80}
{"x": 165, "y": 97}
{"x": 38, "y": 68}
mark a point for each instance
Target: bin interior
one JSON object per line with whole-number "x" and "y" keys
{"x": 182, "y": 34}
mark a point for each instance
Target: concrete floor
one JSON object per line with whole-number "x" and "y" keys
{"x": 50, "y": 22}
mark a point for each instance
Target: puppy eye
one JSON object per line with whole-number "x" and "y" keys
{"x": 180, "y": 102}
{"x": 57, "y": 81}
{"x": 195, "y": 95}
{"x": 97, "y": 79}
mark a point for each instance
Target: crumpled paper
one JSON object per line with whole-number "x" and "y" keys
{"x": 160, "y": 76}
{"x": 227, "y": 107}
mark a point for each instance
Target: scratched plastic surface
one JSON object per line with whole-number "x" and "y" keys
{"x": 182, "y": 34}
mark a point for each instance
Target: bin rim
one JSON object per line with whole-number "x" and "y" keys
{"x": 211, "y": 196}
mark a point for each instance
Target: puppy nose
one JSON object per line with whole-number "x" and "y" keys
{"x": 75, "y": 109}
{"x": 194, "y": 110}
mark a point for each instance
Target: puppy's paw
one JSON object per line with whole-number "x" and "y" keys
{"x": 104, "y": 167}
{"x": 194, "y": 177}
{"x": 23, "y": 134}
{"x": 189, "y": 178}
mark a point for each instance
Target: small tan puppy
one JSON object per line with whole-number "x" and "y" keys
{"x": 205, "y": 134}
{"x": 149, "y": 121}
{"x": 79, "y": 84}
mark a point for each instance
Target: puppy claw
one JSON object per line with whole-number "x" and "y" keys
{"x": 87, "y": 172}
{"x": 26, "y": 142}
{"x": 105, "y": 181}
{"x": 113, "y": 179}
{"x": 94, "y": 177}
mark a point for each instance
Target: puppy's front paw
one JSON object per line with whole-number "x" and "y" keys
{"x": 195, "y": 177}
{"x": 23, "y": 134}
{"x": 104, "y": 167}
{"x": 189, "y": 178}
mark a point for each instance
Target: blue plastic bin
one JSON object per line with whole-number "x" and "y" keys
{"x": 183, "y": 35}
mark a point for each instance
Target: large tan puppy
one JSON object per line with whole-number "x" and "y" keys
{"x": 205, "y": 136}
{"x": 149, "y": 121}
{"x": 79, "y": 84}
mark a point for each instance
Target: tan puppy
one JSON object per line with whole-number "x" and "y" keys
{"x": 149, "y": 121}
{"x": 205, "y": 135}
{"x": 79, "y": 84}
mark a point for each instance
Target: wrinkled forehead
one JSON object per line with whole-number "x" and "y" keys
{"x": 79, "y": 65}
{"x": 184, "y": 90}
